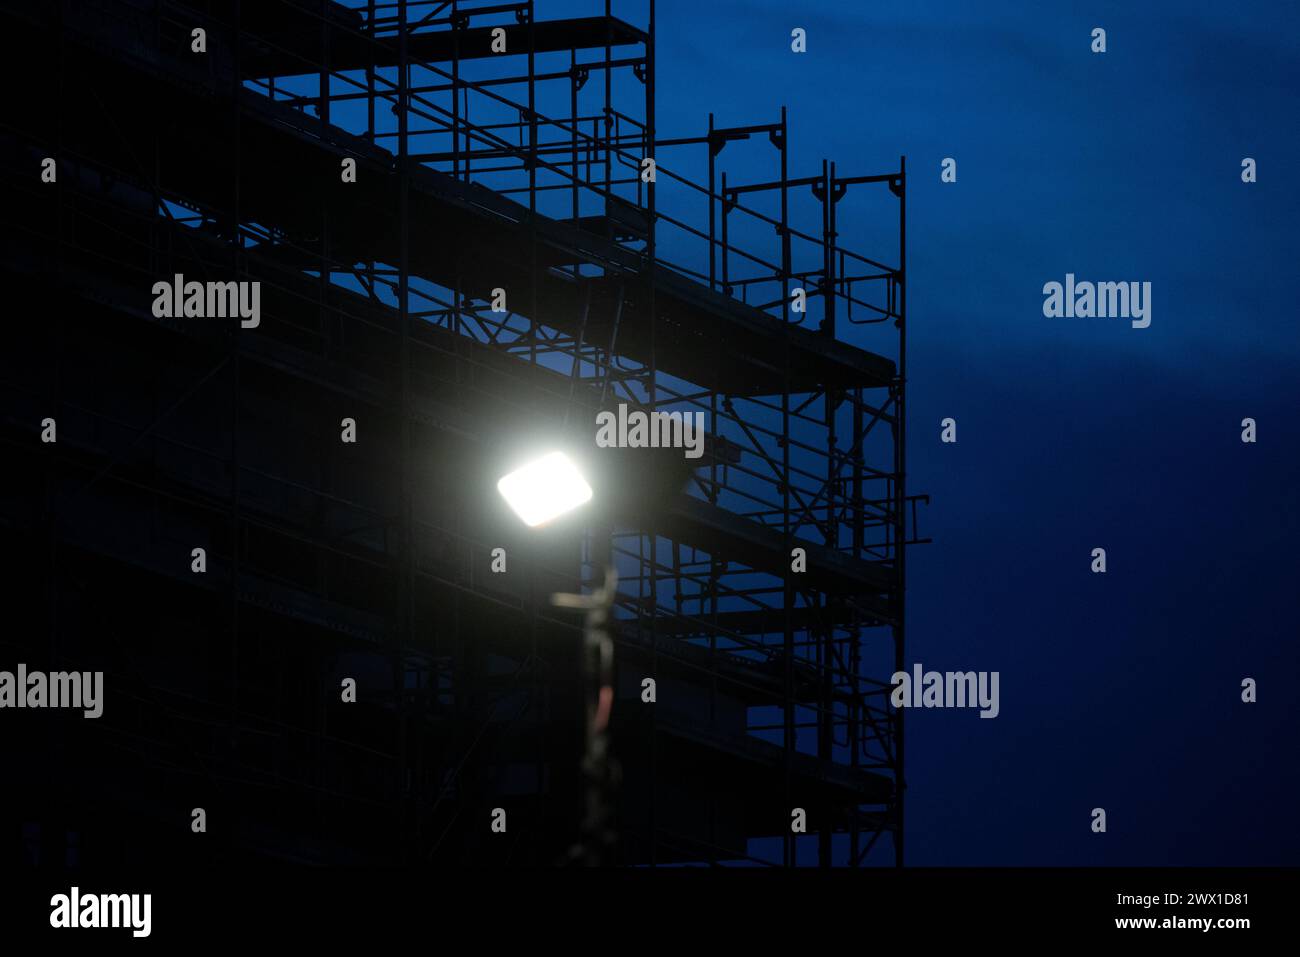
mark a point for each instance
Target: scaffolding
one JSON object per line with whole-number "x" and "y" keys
{"x": 493, "y": 157}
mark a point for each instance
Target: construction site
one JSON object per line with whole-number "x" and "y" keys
{"x": 470, "y": 238}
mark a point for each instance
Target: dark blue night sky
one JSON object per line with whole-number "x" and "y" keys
{"x": 1119, "y": 691}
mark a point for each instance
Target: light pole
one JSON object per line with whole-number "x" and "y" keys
{"x": 540, "y": 492}
{"x": 596, "y": 837}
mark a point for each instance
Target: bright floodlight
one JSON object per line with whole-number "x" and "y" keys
{"x": 545, "y": 489}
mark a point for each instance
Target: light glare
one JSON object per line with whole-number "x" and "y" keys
{"x": 544, "y": 489}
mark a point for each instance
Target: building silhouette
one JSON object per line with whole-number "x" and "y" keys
{"x": 388, "y": 173}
